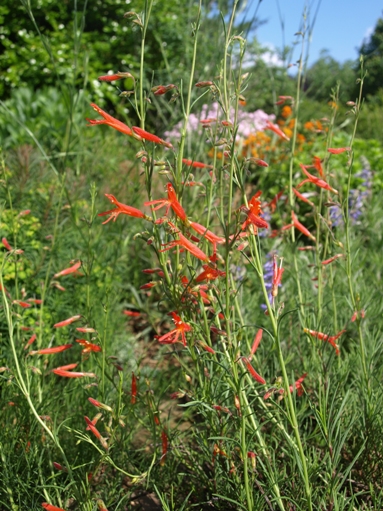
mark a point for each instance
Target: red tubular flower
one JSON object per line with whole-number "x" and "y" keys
{"x": 24, "y": 305}
{"x": 273, "y": 203}
{"x": 150, "y": 137}
{"x": 206, "y": 347}
{"x": 49, "y": 507}
{"x": 164, "y": 440}
{"x": 317, "y": 162}
{"x": 315, "y": 180}
{"x": 59, "y": 467}
{"x": 258, "y": 161}
{"x": 133, "y": 393}
{"x": 209, "y": 274}
{"x": 276, "y": 129}
{"x": 302, "y": 197}
{"x": 329, "y": 261}
{"x": 252, "y": 371}
{"x": 111, "y": 121}
{"x": 67, "y": 322}
{"x": 72, "y": 374}
{"x": 197, "y": 291}
{"x": 92, "y": 428}
{"x": 6, "y": 244}
{"x": 30, "y": 341}
{"x": 301, "y": 227}
{"x": 85, "y": 330}
{"x": 253, "y": 212}
{"x": 339, "y": 150}
{"x": 110, "y": 78}
{"x": 324, "y": 337}
{"x": 36, "y": 301}
{"x": 67, "y": 367}
{"x": 159, "y": 90}
{"x": 257, "y": 340}
{"x": 179, "y": 332}
{"x": 196, "y": 164}
{"x": 210, "y": 236}
{"x": 88, "y": 346}
{"x": 96, "y": 403}
{"x": 68, "y": 271}
{"x": 50, "y": 351}
{"x": 298, "y": 385}
{"x": 132, "y": 314}
{"x": 121, "y": 209}
{"x": 188, "y": 245}
{"x": 170, "y": 202}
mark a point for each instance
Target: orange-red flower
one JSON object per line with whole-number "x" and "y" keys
{"x": 95, "y": 431}
{"x": 96, "y": 403}
{"x": 196, "y": 164}
{"x": 315, "y": 180}
{"x": 252, "y": 371}
{"x": 257, "y": 340}
{"x": 150, "y": 137}
{"x": 338, "y": 150}
{"x": 329, "y": 261}
{"x": 67, "y": 322}
{"x": 301, "y": 227}
{"x": 188, "y": 245}
{"x": 176, "y": 335}
{"x": 88, "y": 346}
{"x": 276, "y": 129}
{"x": 68, "y": 271}
{"x": 72, "y": 374}
{"x": 302, "y": 197}
{"x": 324, "y": 337}
{"x": 209, "y": 274}
{"x": 121, "y": 209}
{"x": 210, "y": 236}
{"x": 4, "y": 241}
{"x": 111, "y": 121}
{"x": 49, "y": 507}
{"x": 273, "y": 203}
{"x": 50, "y": 351}
{"x": 159, "y": 90}
{"x": 170, "y": 202}
{"x": 253, "y": 212}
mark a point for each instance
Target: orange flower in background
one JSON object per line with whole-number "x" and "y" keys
{"x": 170, "y": 202}
{"x": 72, "y": 374}
{"x": 338, "y": 150}
{"x": 133, "y": 392}
{"x": 111, "y": 121}
{"x": 176, "y": 335}
{"x": 121, "y": 209}
{"x": 286, "y": 111}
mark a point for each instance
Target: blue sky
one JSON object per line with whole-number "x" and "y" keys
{"x": 340, "y": 25}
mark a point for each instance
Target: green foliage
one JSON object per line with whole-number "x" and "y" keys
{"x": 325, "y": 74}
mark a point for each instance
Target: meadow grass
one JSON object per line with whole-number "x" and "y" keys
{"x": 223, "y": 348}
